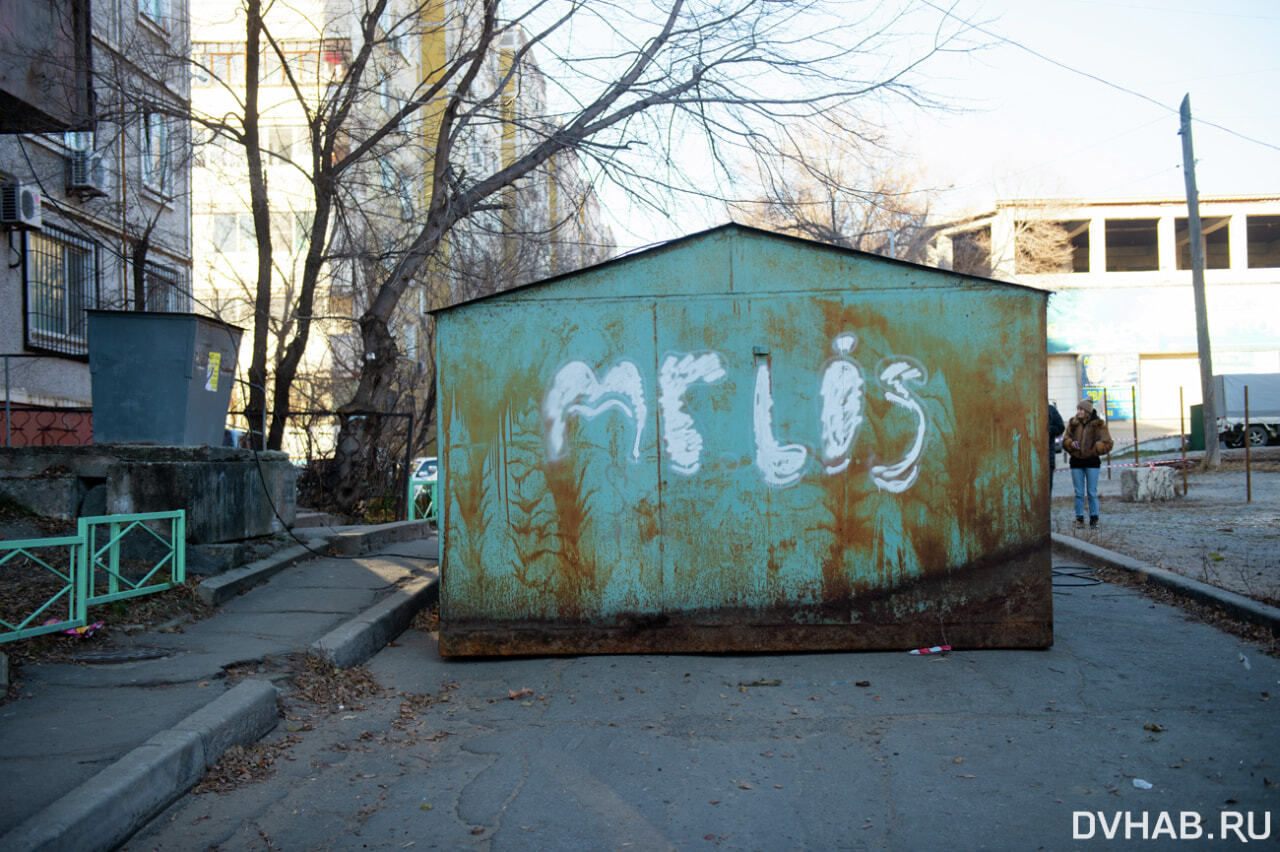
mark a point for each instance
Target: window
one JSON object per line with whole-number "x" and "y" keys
{"x": 78, "y": 140}
{"x": 155, "y": 151}
{"x": 164, "y": 290}
{"x": 302, "y": 221}
{"x": 1131, "y": 245}
{"x": 394, "y": 183}
{"x": 154, "y": 9}
{"x": 1263, "y": 233}
{"x": 1216, "y": 244}
{"x": 233, "y": 232}
{"x": 61, "y": 270}
{"x": 280, "y": 140}
{"x": 216, "y": 63}
{"x": 971, "y": 251}
{"x": 1043, "y": 246}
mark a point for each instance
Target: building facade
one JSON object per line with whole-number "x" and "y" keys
{"x": 96, "y": 192}
{"x": 545, "y": 222}
{"x": 1122, "y": 315}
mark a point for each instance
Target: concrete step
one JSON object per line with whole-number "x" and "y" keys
{"x": 308, "y": 518}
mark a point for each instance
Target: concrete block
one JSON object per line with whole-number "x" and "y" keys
{"x": 106, "y": 809}
{"x": 359, "y": 639}
{"x": 52, "y": 496}
{"x": 229, "y": 494}
{"x": 240, "y": 716}
{"x": 1146, "y": 484}
{"x": 225, "y": 586}
{"x": 225, "y": 501}
{"x": 355, "y": 542}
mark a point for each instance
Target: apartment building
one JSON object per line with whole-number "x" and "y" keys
{"x": 547, "y": 222}
{"x": 95, "y": 205}
{"x": 1122, "y": 314}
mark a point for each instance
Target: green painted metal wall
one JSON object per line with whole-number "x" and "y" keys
{"x": 741, "y": 441}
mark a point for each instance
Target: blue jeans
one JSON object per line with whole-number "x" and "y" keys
{"x": 1082, "y": 478}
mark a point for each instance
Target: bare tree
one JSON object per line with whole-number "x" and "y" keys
{"x": 1036, "y": 247}
{"x": 622, "y": 84}
{"x": 850, "y": 189}
{"x": 1041, "y": 247}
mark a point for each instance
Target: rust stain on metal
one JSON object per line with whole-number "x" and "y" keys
{"x": 969, "y": 609}
{"x": 576, "y": 577}
{"x": 681, "y": 490}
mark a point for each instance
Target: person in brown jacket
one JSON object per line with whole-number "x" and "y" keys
{"x": 1086, "y": 442}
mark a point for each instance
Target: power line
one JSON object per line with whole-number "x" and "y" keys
{"x": 1108, "y": 83}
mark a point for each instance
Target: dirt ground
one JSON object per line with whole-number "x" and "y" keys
{"x": 1225, "y": 529}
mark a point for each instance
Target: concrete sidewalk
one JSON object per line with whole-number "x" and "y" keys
{"x": 95, "y": 748}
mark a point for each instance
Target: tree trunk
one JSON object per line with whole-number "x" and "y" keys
{"x": 257, "y": 407}
{"x": 139, "y": 273}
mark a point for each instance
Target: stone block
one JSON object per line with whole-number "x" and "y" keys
{"x": 53, "y": 497}
{"x": 229, "y": 494}
{"x": 1146, "y": 484}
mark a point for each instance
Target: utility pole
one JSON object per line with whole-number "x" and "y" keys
{"x": 1212, "y": 452}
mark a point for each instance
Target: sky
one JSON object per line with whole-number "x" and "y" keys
{"x": 1031, "y": 127}
{"x": 1095, "y": 114}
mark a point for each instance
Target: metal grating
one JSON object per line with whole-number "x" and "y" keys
{"x": 61, "y": 270}
{"x": 165, "y": 290}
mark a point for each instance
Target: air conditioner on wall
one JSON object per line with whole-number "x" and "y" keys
{"x": 86, "y": 175}
{"x": 19, "y": 206}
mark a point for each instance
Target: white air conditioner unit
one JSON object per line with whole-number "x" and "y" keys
{"x": 86, "y": 175}
{"x": 19, "y": 207}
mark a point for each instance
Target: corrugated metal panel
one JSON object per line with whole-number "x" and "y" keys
{"x": 745, "y": 444}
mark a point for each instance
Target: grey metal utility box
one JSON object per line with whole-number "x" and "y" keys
{"x": 160, "y": 378}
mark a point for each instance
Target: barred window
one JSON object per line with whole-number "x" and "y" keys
{"x": 61, "y": 283}
{"x": 165, "y": 290}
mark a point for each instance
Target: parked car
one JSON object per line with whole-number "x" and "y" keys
{"x": 425, "y": 467}
{"x": 421, "y": 484}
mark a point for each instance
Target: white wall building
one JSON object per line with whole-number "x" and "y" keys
{"x": 1122, "y": 315}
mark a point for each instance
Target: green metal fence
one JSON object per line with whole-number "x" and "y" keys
{"x": 416, "y": 487}
{"x": 68, "y": 585}
{"x": 101, "y": 555}
{"x": 111, "y": 557}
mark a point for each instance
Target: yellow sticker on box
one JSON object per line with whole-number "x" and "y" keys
{"x": 211, "y": 371}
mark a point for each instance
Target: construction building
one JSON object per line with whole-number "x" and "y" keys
{"x": 1122, "y": 315}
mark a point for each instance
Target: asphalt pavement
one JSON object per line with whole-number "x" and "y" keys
{"x": 1137, "y": 723}
{"x": 993, "y": 749}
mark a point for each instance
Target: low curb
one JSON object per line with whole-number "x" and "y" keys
{"x": 103, "y": 811}
{"x": 225, "y": 586}
{"x": 1236, "y": 605}
{"x": 353, "y": 542}
{"x": 362, "y": 637}
{"x": 221, "y": 588}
